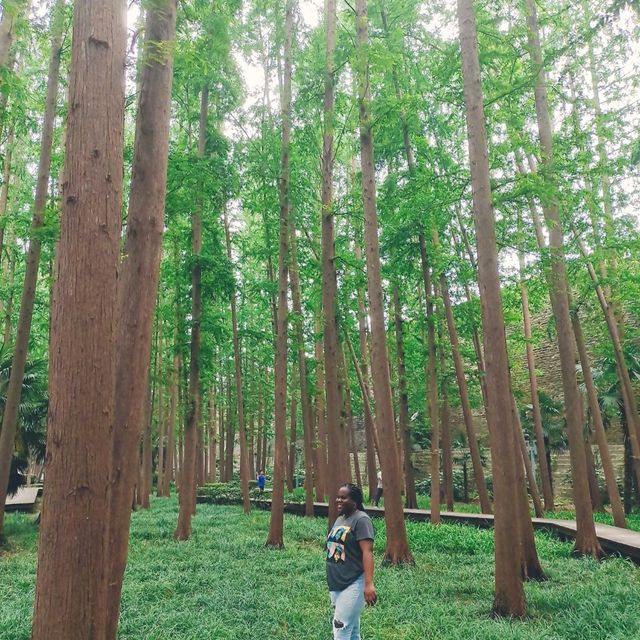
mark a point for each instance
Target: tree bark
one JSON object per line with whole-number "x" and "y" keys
{"x": 293, "y": 424}
{"x": 598, "y": 425}
{"x": 275, "y": 537}
{"x": 445, "y": 427}
{"x": 322, "y": 470}
{"x": 244, "y": 455}
{"x": 192, "y": 422}
{"x": 21, "y": 344}
{"x": 337, "y": 454}
{"x": 397, "y": 549}
{"x": 369, "y": 426}
{"x": 305, "y": 400}
{"x": 411, "y": 500}
{"x": 71, "y": 585}
{"x": 509, "y": 599}
{"x": 586, "y": 539}
{"x": 472, "y": 438}
{"x": 545, "y": 475}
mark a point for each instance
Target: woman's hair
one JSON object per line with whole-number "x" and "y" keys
{"x": 355, "y": 493}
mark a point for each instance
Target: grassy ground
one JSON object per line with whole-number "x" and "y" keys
{"x": 224, "y": 585}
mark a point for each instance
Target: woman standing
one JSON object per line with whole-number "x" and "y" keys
{"x": 349, "y": 552}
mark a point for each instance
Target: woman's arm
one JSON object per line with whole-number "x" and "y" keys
{"x": 366, "y": 547}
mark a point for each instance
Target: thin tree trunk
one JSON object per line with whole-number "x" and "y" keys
{"x": 337, "y": 438}
{"x": 509, "y": 599}
{"x": 369, "y": 427}
{"x": 230, "y": 434}
{"x": 146, "y": 463}
{"x": 521, "y": 444}
{"x": 545, "y": 475}
{"x": 474, "y": 449}
{"x": 322, "y": 470}
{"x": 171, "y": 427}
{"x": 275, "y": 538}
{"x": 192, "y": 422}
{"x": 293, "y": 422}
{"x": 71, "y": 577}
{"x": 305, "y": 400}
{"x": 626, "y": 386}
{"x": 4, "y": 188}
{"x": 397, "y": 549}
{"x": 213, "y": 434}
{"x": 601, "y": 436}
{"x": 244, "y": 459}
{"x": 411, "y": 500}
{"x": 18, "y": 363}
{"x": 586, "y": 539}
{"x": 351, "y": 428}
{"x": 8, "y": 311}
{"x": 445, "y": 427}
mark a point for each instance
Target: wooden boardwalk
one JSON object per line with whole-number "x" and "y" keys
{"x": 23, "y": 500}
{"x": 614, "y": 541}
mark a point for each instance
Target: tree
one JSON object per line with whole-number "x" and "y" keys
{"x": 140, "y": 272}
{"x": 71, "y": 585}
{"x": 275, "y": 537}
{"x": 397, "y": 550}
{"x": 586, "y": 539}
{"x": 509, "y": 597}
{"x": 12, "y": 401}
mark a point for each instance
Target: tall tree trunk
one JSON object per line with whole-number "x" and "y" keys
{"x": 305, "y": 400}
{"x": 230, "y": 434}
{"x": 223, "y": 430}
{"x": 171, "y": 426}
{"x": 509, "y": 599}
{"x": 244, "y": 456}
{"x": 144, "y": 486}
{"x": 545, "y": 475}
{"x": 586, "y": 539}
{"x": 4, "y": 189}
{"x": 18, "y": 363}
{"x": 369, "y": 427}
{"x": 82, "y": 372}
{"x": 213, "y": 434}
{"x": 626, "y": 387}
{"x": 8, "y": 310}
{"x": 293, "y": 422}
{"x": 445, "y": 427}
{"x": 275, "y": 537}
{"x": 192, "y": 422}
{"x": 397, "y": 549}
{"x": 322, "y": 470}
{"x": 474, "y": 449}
{"x": 598, "y": 425}
{"x": 337, "y": 439}
{"x": 351, "y": 428}
{"x": 411, "y": 500}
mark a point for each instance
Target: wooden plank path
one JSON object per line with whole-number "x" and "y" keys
{"x": 614, "y": 540}
{"x": 23, "y": 500}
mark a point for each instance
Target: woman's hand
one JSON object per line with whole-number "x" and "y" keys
{"x": 370, "y": 595}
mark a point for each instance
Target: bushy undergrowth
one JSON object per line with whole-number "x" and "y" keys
{"x": 225, "y": 585}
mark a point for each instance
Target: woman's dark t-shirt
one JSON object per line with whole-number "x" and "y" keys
{"x": 344, "y": 556}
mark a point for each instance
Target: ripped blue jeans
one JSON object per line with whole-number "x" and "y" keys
{"x": 347, "y": 607}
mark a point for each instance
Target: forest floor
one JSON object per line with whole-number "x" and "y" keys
{"x": 225, "y": 585}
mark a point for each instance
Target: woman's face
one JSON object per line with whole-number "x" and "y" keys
{"x": 346, "y": 504}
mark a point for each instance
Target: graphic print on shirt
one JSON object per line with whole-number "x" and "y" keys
{"x": 335, "y": 543}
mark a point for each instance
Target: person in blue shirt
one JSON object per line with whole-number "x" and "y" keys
{"x": 261, "y": 480}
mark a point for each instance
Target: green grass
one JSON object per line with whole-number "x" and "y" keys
{"x": 224, "y": 585}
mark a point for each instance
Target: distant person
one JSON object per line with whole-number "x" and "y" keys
{"x": 261, "y": 480}
{"x": 349, "y": 552}
{"x": 379, "y": 490}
